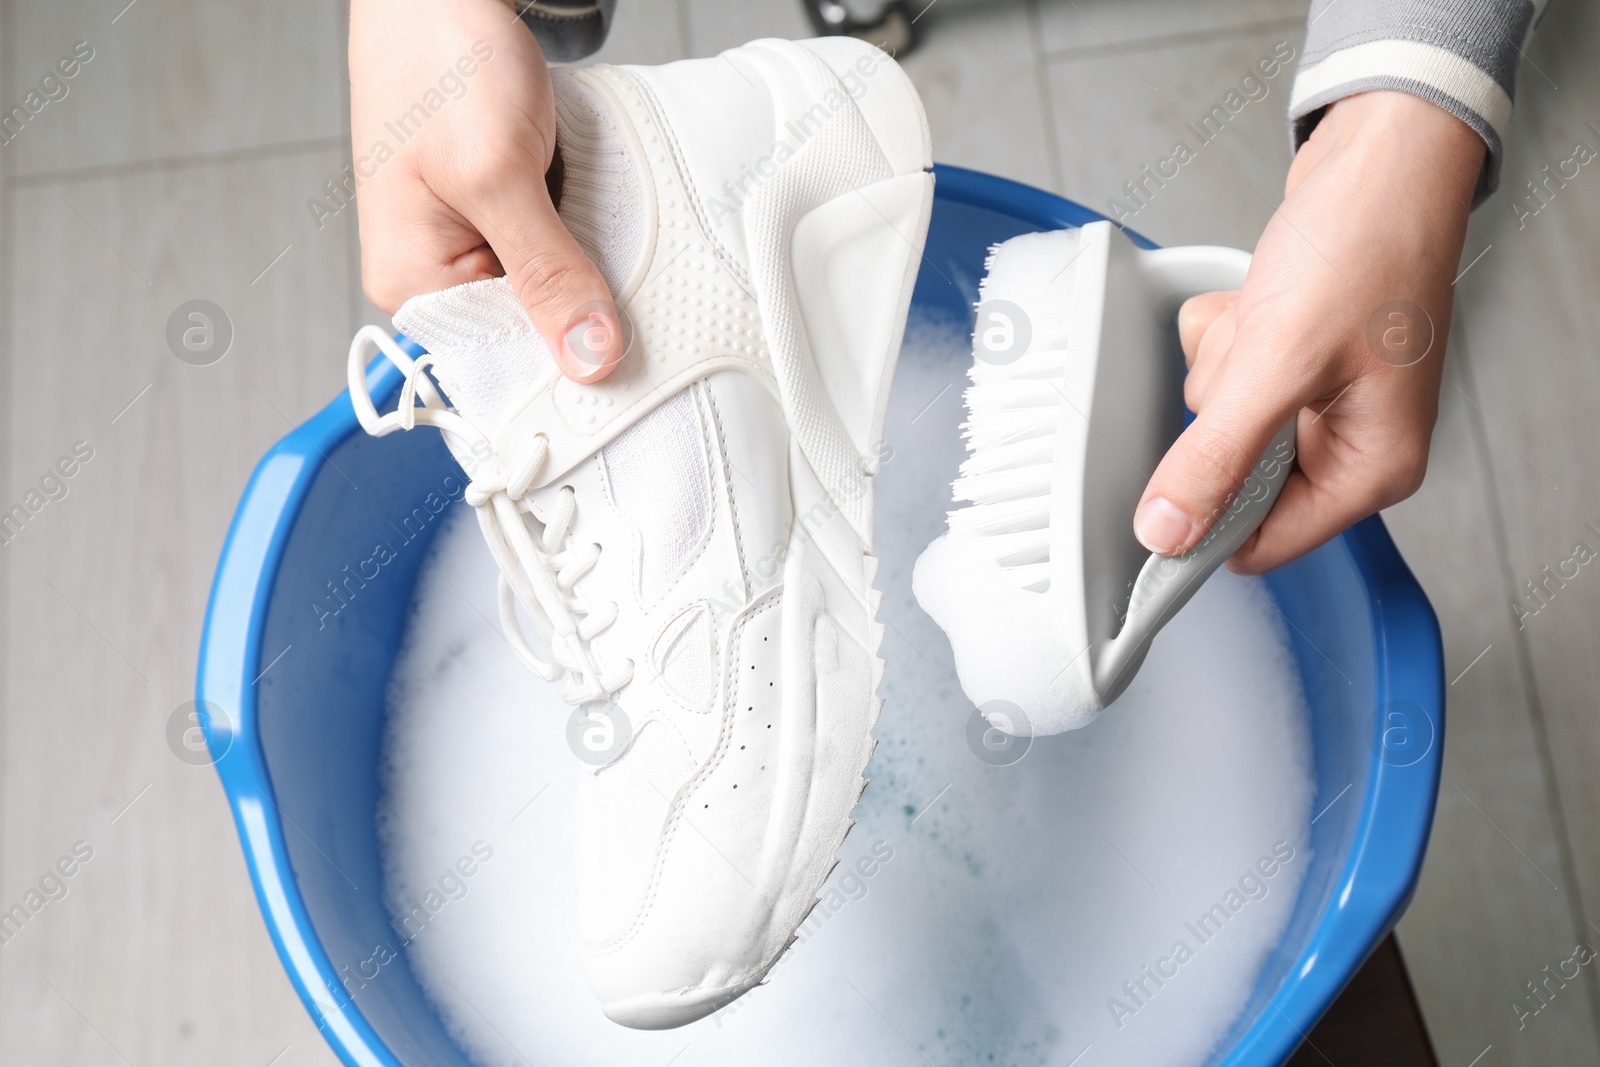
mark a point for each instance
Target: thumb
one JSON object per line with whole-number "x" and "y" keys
{"x": 559, "y": 286}
{"x": 1209, "y": 462}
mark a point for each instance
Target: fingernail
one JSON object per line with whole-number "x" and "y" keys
{"x": 1161, "y": 527}
{"x": 594, "y": 341}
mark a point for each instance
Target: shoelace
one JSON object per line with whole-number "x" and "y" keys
{"x": 541, "y": 574}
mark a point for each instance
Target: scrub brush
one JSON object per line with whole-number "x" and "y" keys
{"x": 1049, "y": 602}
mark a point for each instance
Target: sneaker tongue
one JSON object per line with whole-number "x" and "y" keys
{"x": 488, "y": 355}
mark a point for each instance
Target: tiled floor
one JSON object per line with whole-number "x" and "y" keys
{"x": 178, "y": 166}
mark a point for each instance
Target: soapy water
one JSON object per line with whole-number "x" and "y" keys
{"x": 1108, "y": 894}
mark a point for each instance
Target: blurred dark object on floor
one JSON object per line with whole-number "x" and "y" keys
{"x": 888, "y": 24}
{"x": 568, "y": 30}
{"x": 1375, "y": 1022}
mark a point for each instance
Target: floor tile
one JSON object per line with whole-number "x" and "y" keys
{"x": 1528, "y": 317}
{"x": 976, "y": 72}
{"x": 210, "y": 78}
{"x": 1531, "y": 319}
{"x": 1116, "y": 115}
{"x": 159, "y": 944}
{"x": 1071, "y": 25}
{"x": 1495, "y": 903}
{"x": 647, "y": 31}
{"x": 716, "y": 25}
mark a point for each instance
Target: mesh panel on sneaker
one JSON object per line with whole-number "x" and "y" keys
{"x": 602, "y": 194}
{"x": 487, "y": 352}
{"x": 661, "y": 483}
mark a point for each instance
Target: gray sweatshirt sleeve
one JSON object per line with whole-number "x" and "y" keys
{"x": 1459, "y": 54}
{"x": 567, "y": 30}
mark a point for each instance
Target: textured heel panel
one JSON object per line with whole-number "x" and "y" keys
{"x": 885, "y": 97}
{"x": 862, "y": 250}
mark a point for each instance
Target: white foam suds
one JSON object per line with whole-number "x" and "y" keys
{"x": 980, "y": 913}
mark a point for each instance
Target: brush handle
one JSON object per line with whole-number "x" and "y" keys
{"x": 1166, "y": 583}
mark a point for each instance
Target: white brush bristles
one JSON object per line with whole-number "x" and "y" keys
{"x": 1014, "y": 407}
{"x": 990, "y": 582}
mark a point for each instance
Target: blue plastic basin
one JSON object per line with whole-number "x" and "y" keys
{"x": 299, "y": 698}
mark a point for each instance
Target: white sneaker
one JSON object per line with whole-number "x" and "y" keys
{"x": 692, "y": 535}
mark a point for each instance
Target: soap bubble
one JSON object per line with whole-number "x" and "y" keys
{"x": 999, "y": 733}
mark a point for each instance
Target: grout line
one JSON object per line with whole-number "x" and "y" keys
{"x": 1551, "y": 108}
{"x": 99, "y": 232}
{"x": 183, "y": 162}
{"x": 1148, "y": 44}
{"x": 1113, "y": 46}
{"x": 1522, "y": 652}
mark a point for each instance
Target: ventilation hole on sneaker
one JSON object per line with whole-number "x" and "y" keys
{"x": 736, "y": 785}
{"x": 741, "y": 748}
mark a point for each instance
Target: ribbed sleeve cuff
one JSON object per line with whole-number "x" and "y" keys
{"x": 1459, "y": 54}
